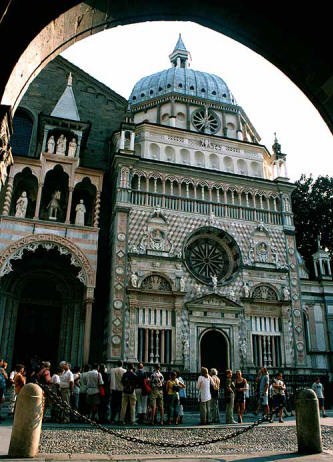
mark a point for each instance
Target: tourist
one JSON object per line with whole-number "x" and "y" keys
{"x": 141, "y": 394}
{"x": 66, "y": 388}
{"x": 229, "y": 397}
{"x": 55, "y": 388}
{"x": 94, "y": 380}
{"x": 129, "y": 381}
{"x": 214, "y": 391}
{"x": 263, "y": 390}
{"x": 76, "y": 389}
{"x": 116, "y": 388}
{"x": 19, "y": 379}
{"x": 156, "y": 397}
{"x": 182, "y": 398}
{"x": 203, "y": 386}
{"x": 279, "y": 396}
{"x": 172, "y": 388}
{"x": 83, "y": 407}
{"x": 240, "y": 389}
{"x": 104, "y": 408}
{"x": 318, "y": 388}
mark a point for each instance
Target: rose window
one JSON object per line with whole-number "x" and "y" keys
{"x": 211, "y": 253}
{"x": 205, "y": 121}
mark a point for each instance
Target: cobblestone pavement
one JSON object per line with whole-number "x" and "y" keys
{"x": 269, "y": 442}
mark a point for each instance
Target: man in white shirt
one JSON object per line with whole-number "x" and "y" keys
{"x": 318, "y": 388}
{"x": 116, "y": 388}
{"x": 66, "y": 387}
{"x": 94, "y": 380}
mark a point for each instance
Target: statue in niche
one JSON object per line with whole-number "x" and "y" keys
{"x": 21, "y": 205}
{"x": 54, "y": 205}
{"x": 158, "y": 239}
{"x": 61, "y": 145}
{"x": 262, "y": 252}
{"x": 286, "y": 293}
{"x": 246, "y": 290}
{"x": 182, "y": 284}
{"x": 72, "y": 148}
{"x": 134, "y": 280}
{"x": 80, "y": 211}
{"x": 214, "y": 281}
{"x": 50, "y": 145}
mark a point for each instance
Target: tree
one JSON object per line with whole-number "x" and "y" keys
{"x": 312, "y": 202}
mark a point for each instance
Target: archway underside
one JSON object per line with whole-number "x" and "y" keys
{"x": 281, "y": 38}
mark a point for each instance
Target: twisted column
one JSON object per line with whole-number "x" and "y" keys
{"x": 8, "y": 196}
{"x": 97, "y": 209}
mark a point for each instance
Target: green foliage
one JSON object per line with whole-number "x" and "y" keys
{"x": 312, "y": 202}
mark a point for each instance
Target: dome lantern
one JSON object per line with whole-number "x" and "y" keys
{"x": 180, "y": 57}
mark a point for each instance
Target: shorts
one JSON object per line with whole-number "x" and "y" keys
{"x": 279, "y": 401}
{"x": 264, "y": 400}
{"x": 321, "y": 402}
{"x": 156, "y": 396}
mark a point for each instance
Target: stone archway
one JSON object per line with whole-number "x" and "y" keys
{"x": 297, "y": 53}
{"x": 214, "y": 350}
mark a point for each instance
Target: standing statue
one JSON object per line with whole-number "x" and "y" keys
{"x": 182, "y": 284}
{"x": 286, "y": 293}
{"x": 72, "y": 148}
{"x": 50, "y": 145}
{"x": 246, "y": 290}
{"x": 61, "y": 145}
{"x": 80, "y": 210}
{"x": 54, "y": 205}
{"x": 214, "y": 281}
{"x": 21, "y": 205}
{"x": 134, "y": 280}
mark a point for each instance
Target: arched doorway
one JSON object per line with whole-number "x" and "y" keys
{"x": 214, "y": 350}
{"x": 42, "y": 309}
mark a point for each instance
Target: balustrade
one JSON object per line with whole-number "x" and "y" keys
{"x": 192, "y": 205}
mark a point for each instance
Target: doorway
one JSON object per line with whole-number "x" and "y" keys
{"x": 214, "y": 351}
{"x": 37, "y": 333}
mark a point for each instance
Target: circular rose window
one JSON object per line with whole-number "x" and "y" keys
{"x": 205, "y": 121}
{"x": 211, "y": 254}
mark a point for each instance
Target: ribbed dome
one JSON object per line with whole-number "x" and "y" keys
{"x": 182, "y": 80}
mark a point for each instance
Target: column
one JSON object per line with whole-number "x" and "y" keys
{"x": 132, "y": 139}
{"x": 8, "y": 196}
{"x": 87, "y": 329}
{"x": 39, "y": 197}
{"x": 69, "y": 205}
{"x": 162, "y": 346}
{"x": 146, "y": 352}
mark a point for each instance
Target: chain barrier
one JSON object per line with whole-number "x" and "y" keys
{"x": 67, "y": 409}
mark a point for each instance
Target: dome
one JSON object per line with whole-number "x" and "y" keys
{"x": 181, "y": 80}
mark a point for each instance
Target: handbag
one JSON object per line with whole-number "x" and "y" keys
{"x": 146, "y": 387}
{"x": 101, "y": 390}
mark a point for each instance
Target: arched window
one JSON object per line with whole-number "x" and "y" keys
{"x": 22, "y": 130}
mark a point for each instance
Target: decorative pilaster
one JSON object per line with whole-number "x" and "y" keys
{"x": 87, "y": 325}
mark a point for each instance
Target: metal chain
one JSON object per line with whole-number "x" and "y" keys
{"x": 67, "y": 409}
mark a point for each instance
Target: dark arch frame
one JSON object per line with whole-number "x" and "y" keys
{"x": 227, "y": 359}
{"x": 281, "y": 38}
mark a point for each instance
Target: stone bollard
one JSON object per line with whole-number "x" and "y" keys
{"x": 308, "y": 422}
{"x": 24, "y": 441}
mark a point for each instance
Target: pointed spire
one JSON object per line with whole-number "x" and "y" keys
{"x": 180, "y": 57}
{"x": 66, "y": 107}
{"x": 276, "y": 146}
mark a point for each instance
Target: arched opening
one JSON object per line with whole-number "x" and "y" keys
{"x": 25, "y": 181}
{"x": 84, "y": 191}
{"x": 22, "y": 131}
{"x": 214, "y": 350}
{"x": 55, "y": 195}
{"x": 41, "y": 311}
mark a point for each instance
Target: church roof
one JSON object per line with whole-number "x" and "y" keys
{"x": 66, "y": 107}
{"x": 182, "y": 80}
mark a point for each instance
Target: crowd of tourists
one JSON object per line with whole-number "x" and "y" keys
{"x": 134, "y": 395}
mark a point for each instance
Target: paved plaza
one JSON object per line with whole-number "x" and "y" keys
{"x": 267, "y": 442}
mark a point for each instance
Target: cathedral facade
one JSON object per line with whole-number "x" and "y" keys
{"x": 156, "y": 229}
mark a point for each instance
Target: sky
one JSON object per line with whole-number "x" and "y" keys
{"x": 121, "y": 56}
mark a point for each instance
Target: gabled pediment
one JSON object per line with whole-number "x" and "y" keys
{"x": 212, "y": 300}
